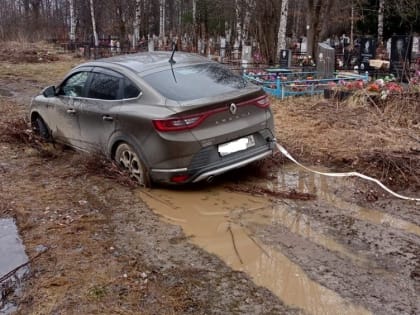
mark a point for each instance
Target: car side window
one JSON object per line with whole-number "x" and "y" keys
{"x": 130, "y": 89}
{"x": 104, "y": 87}
{"x": 74, "y": 86}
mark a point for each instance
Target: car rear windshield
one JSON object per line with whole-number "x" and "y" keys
{"x": 194, "y": 82}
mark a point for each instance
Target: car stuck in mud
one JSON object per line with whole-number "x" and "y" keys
{"x": 165, "y": 121}
{"x": 269, "y": 239}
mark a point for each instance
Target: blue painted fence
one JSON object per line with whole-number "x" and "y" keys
{"x": 283, "y": 83}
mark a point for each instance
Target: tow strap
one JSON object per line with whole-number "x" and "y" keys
{"x": 346, "y": 174}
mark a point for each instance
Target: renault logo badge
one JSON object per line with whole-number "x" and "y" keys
{"x": 233, "y": 108}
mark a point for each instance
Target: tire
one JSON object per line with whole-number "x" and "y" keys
{"x": 40, "y": 128}
{"x": 128, "y": 159}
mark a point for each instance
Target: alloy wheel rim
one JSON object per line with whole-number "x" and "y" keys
{"x": 130, "y": 162}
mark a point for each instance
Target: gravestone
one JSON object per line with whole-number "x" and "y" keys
{"x": 236, "y": 50}
{"x": 401, "y": 47}
{"x": 367, "y": 52}
{"x": 222, "y": 47}
{"x": 325, "y": 63}
{"x": 246, "y": 53}
{"x": 285, "y": 60}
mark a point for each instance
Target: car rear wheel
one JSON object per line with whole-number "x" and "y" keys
{"x": 128, "y": 159}
{"x": 40, "y": 128}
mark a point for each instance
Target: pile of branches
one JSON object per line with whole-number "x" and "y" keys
{"x": 397, "y": 169}
{"x": 99, "y": 165}
{"x": 18, "y": 131}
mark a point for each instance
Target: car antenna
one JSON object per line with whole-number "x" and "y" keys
{"x": 174, "y": 48}
{"x": 172, "y": 61}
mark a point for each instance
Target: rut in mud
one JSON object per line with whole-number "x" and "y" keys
{"x": 267, "y": 239}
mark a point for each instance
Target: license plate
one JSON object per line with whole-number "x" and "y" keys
{"x": 236, "y": 145}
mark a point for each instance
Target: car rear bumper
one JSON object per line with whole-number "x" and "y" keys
{"x": 210, "y": 174}
{"x": 207, "y": 163}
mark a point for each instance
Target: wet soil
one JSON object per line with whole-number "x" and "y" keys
{"x": 267, "y": 239}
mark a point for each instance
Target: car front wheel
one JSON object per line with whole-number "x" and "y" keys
{"x": 40, "y": 128}
{"x": 128, "y": 159}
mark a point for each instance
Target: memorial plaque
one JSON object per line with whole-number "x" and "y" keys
{"x": 367, "y": 52}
{"x": 285, "y": 58}
{"x": 401, "y": 46}
{"x": 325, "y": 63}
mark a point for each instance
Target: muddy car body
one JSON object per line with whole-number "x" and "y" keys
{"x": 166, "y": 120}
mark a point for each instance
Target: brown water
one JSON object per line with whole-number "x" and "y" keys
{"x": 206, "y": 216}
{"x": 323, "y": 187}
{"x": 215, "y": 220}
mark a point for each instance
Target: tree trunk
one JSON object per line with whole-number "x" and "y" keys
{"x": 238, "y": 17}
{"x": 95, "y": 33}
{"x": 72, "y": 34}
{"x": 352, "y": 26}
{"x": 281, "y": 37}
{"x": 136, "y": 33}
{"x": 162, "y": 20}
{"x": 250, "y": 7}
{"x": 381, "y": 21}
{"x": 316, "y": 12}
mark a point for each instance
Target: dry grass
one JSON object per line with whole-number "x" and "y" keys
{"x": 40, "y": 62}
{"x": 45, "y": 74}
{"x": 363, "y": 134}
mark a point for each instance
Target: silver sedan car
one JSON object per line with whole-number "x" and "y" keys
{"x": 165, "y": 119}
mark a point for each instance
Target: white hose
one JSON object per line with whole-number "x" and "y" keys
{"x": 347, "y": 174}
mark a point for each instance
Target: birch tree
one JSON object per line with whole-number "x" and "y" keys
{"x": 194, "y": 12}
{"x": 72, "y": 35}
{"x": 238, "y": 24}
{"x": 92, "y": 14}
{"x": 162, "y": 20}
{"x": 281, "y": 37}
{"x": 381, "y": 11}
{"x": 136, "y": 24}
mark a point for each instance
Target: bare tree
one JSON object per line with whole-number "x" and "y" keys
{"x": 381, "y": 21}
{"x": 92, "y": 14}
{"x": 249, "y": 9}
{"x": 281, "y": 36}
{"x": 72, "y": 35}
{"x": 136, "y": 25}
{"x": 317, "y": 10}
{"x": 162, "y": 20}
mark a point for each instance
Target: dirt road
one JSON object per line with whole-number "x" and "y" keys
{"x": 267, "y": 239}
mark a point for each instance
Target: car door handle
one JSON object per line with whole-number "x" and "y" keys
{"x": 107, "y": 118}
{"x": 71, "y": 111}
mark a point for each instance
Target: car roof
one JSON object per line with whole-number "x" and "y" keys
{"x": 149, "y": 62}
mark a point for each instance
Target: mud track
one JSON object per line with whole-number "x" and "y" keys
{"x": 267, "y": 239}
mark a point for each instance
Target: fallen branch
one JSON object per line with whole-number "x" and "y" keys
{"x": 234, "y": 245}
{"x": 12, "y": 272}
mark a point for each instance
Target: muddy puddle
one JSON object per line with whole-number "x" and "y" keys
{"x": 206, "y": 216}
{"x": 218, "y": 221}
{"x": 12, "y": 255}
{"x": 291, "y": 177}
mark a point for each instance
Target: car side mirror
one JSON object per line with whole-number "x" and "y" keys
{"x": 49, "y": 91}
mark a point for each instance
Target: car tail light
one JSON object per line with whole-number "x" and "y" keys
{"x": 179, "y": 123}
{"x": 263, "y": 102}
{"x": 191, "y": 121}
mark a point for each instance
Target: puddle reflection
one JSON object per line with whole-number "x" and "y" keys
{"x": 12, "y": 255}
{"x": 291, "y": 178}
